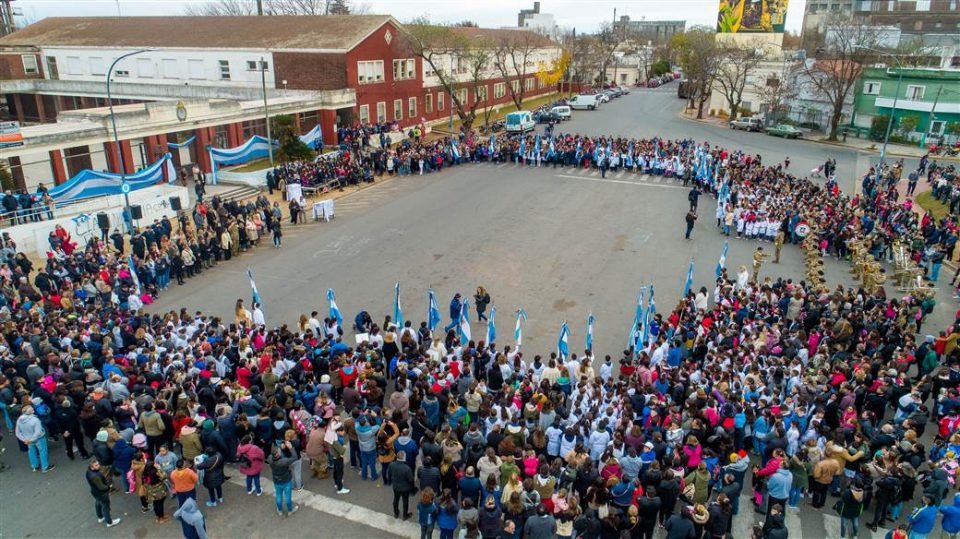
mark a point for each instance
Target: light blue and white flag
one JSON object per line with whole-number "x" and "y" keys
{"x": 493, "y": 144}
{"x": 518, "y": 329}
{"x": 579, "y": 151}
{"x": 491, "y": 326}
{"x": 136, "y": 278}
{"x": 589, "y": 345}
{"x": 455, "y": 150}
{"x": 523, "y": 147}
{"x": 397, "y": 312}
{"x": 647, "y": 316}
{"x": 463, "y": 325}
{"x": 551, "y": 150}
{"x": 253, "y": 286}
{"x": 563, "y": 341}
{"x": 689, "y": 282}
{"x": 637, "y": 320}
{"x": 722, "y": 263}
{"x": 433, "y": 312}
{"x": 334, "y": 310}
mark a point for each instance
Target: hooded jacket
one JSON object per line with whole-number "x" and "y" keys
{"x": 951, "y": 515}
{"x": 937, "y": 489}
{"x": 923, "y": 519}
{"x": 189, "y": 514}
{"x": 851, "y": 503}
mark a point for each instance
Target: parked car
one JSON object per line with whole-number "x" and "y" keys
{"x": 653, "y": 83}
{"x": 747, "y": 124}
{"x": 603, "y": 98}
{"x": 784, "y": 130}
{"x": 548, "y": 117}
{"x": 584, "y": 101}
{"x": 562, "y": 111}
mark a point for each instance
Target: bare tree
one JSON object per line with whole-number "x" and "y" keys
{"x": 277, "y": 7}
{"x": 731, "y": 77}
{"x": 457, "y": 59}
{"x": 582, "y": 62}
{"x": 776, "y": 93}
{"x": 696, "y": 50}
{"x": 513, "y": 60}
{"x": 605, "y": 43}
{"x": 839, "y": 64}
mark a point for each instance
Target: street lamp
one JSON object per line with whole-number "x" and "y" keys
{"x": 893, "y": 109}
{"x": 124, "y": 187}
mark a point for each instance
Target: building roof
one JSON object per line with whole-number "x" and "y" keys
{"x": 339, "y": 32}
{"x": 497, "y": 34}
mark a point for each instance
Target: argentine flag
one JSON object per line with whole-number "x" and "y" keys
{"x": 253, "y": 286}
{"x": 463, "y": 326}
{"x": 551, "y": 151}
{"x": 491, "y": 326}
{"x": 433, "y": 312}
{"x": 455, "y": 150}
{"x": 493, "y": 144}
{"x": 722, "y": 263}
{"x": 397, "y": 312}
{"x": 689, "y": 282}
{"x": 579, "y": 151}
{"x": 563, "y": 344}
{"x": 136, "y": 278}
{"x": 518, "y": 329}
{"x": 334, "y": 310}
{"x": 637, "y": 319}
{"x": 590, "y": 332}
{"x": 536, "y": 144}
{"x": 647, "y": 316}
{"x": 523, "y": 147}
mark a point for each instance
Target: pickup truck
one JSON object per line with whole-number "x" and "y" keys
{"x": 747, "y": 124}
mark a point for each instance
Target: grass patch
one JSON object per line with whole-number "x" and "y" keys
{"x": 938, "y": 210}
{"x": 253, "y": 166}
{"x": 440, "y": 130}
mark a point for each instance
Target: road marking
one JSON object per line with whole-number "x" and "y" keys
{"x": 594, "y": 173}
{"x": 619, "y": 174}
{"x": 644, "y": 177}
{"x": 792, "y": 520}
{"x": 657, "y": 179}
{"x": 341, "y": 508}
{"x": 625, "y": 182}
{"x": 831, "y": 523}
{"x": 501, "y": 165}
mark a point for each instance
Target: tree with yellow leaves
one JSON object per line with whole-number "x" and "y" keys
{"x": 557, "y": 70}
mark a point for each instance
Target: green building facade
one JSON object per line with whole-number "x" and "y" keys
{"x": 927, "y": 105}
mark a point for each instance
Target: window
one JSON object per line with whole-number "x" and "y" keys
{"x": 195, "y": 69}
{"x": 224, "y": 69}
{"x": 953, "y": 5}
{"x": 404, "y": 69}
{"x": 30, "y": 66}
{"x": 411, "y": 107}
{"x": 915, "y": 93}
{"x": 773, "y": 82}
{"x": 463, "y": 96}
{"x": 145, "y": 68}
{"x": 170, "y": 70}
{"x": 936, "y": 127}
{"x": 381, "y": 112}
{"x": 96, "y": 66}
{"x": 541, "y": 84}
{"x": 440, "y": 97}
{"x": 528, "y": 84}
{"x": 364, "y": 114}
{"x": 428, "y": 71}
{"x": 481, "y": 95}
{"x": 499, "y": 90}
{"x": 397, "y": 109}
{"x": 428, "y": 103}
{"x": 73, "y": 65}
{"x": 121, "y": 73}
{"x": 515, "y": 86}
{"x": 370, "y": 71}
{"x": 923, "y": 5}
{"x": 252, "y": 65}
{"x": 871, "y": 87}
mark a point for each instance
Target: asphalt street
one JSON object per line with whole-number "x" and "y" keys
{"x": 559, "y": 243}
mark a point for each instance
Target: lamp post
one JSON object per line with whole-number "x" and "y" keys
{"x": 124, "y": 187}
{"x": 893, "y": 109}
{"x": 266, "y": 111}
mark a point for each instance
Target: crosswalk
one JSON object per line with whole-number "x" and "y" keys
{"x": 803, "y": 522}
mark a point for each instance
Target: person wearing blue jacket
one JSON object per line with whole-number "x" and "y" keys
{"x": 923, "y": 518}
{"x": 778, "y": 487}
{"x": 455, "y": 306}
{"x": 367, "y": 428}
{"x": 122, "y": 460}
{"x": 951, "y": 518}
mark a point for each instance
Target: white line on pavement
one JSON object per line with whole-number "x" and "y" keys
{"x": 594, "y": 173}
{"x": 792, "y": 519}
{"x": 625, "y": 182}
{"x": 501, "y": 165}
{"x": 341, "y": 508}
{"x": 619, "y": 174}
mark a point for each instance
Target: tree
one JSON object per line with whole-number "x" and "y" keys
{"x": 698, "y": 56}
{"x": 6, "y": 178}
{"x": 450, "y": 53}
{"x": 953, "y": 128}
{"x": 512, "y": 59}
{"x": 604, "y": 44}
{"x": 582, "y": 61}
{"x": 466, "y": 23}
{"x": 661, "y": 67}
{"x": 731, "y": 78}
{"x": 291, "y": 147}
{"x": 776, "y": 93}
{"x": 557, "y": 70}
{"x": 908, "y": 124}
{"x": 839, "y": 64}
{"x": 277, "y": 7}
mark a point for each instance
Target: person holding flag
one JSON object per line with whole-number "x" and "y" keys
{"x": 518, "y": 329}
{"x": 433, "y": 312}
{"x": 589, "y": 343}
{"x": 334, "y": 311}
{"x": 563, "y": 341}
{"x": 397, "y": 312}
{"x": 463, "y": 323}
{"x": 491, "y": 327}
{"x": 722, "y": 263}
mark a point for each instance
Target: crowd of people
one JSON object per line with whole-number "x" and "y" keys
{"x": 774, "y": 388}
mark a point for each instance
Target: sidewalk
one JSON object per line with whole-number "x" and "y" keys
{"x": 852, "y": 143}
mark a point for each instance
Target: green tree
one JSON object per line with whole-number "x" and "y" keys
{"x": 6, "y": 178}
{"x": 661, "y": 67}
{"x": 878, "y": 127}
{"x": 953, "y": 128}
{"x": 291, "y": 147}
{"x": 908, "y": 124}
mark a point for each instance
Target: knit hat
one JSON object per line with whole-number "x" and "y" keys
{"x": 102, "y": 436}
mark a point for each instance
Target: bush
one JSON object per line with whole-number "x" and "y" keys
{"x": 878, "y": 127}
{"x": 661, "y": 67}
{"x": 810, "y": 125}
{"x": 908, "y": 124}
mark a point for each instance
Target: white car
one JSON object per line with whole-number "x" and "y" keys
{"x": 562, "y": 111}
{"x": 603, "y": 98}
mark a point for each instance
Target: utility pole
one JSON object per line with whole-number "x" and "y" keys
{"x": 616, "y": 61}
{"x": 260, "y": 8}
{"x": 266, "y": 112}
{"x": 933, "y": 117}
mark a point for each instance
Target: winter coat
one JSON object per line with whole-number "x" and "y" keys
{"x": 191, "y": 520}
{"x": 951, "y": 515}
{"x": 254, "y": 455}
{"x": 922, "y": 519}
{"x": 213, "y": 471}
{"x": 122, "y": 455}
{"x": 850, "y": 504}
{"x": 190, "y": 441}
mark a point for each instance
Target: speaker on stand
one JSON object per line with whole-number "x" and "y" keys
{"x": 175, "y": 204}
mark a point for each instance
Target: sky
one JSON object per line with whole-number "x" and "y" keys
{"x": 584, "y": 15}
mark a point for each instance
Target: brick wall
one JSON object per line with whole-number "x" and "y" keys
{"x": 11, "y": 66}
{"x": 308, "y": 71}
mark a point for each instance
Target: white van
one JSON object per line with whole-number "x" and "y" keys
{"x": 562, "y": 111}
{"x": 520, "y": 122}
{"x": 585, "y": 101}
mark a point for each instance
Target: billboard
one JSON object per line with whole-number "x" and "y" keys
{"x": 751, "y": 16}
{"x": 10, "y": 135}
